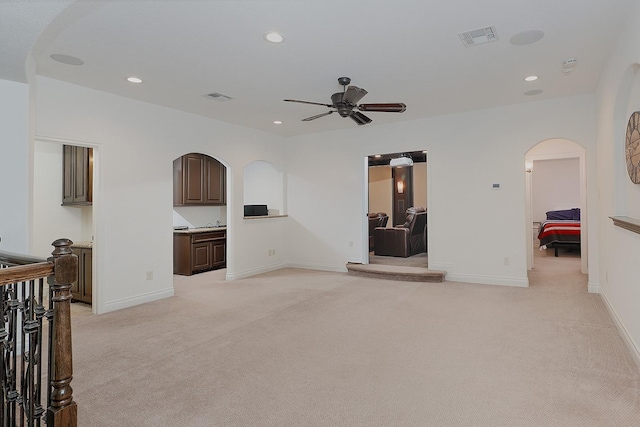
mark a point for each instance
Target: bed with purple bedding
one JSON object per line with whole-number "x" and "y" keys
{"x": 562, "y": 228}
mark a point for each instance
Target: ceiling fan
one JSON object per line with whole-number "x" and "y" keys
{"x": 346, "y": 104}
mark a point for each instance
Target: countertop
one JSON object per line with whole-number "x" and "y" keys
{"x": 200, "y": 230}
{"x": 82, "y": 245}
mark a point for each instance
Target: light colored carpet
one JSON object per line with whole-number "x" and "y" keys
{"x": 309, "y": 348}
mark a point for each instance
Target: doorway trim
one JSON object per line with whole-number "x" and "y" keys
{"x": 96, "y": 212}
{"x": 580, "y": 154}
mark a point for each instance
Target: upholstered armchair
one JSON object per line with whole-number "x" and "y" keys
{"x": 376, "y": 220}
{"x": 403, "y": 240}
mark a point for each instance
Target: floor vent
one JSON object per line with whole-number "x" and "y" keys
{"x": 479, "y": 36}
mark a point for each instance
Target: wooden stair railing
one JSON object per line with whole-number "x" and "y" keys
{"x": 21, "y": 338}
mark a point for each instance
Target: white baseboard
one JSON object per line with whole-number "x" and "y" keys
{"x": 635, "y": 351}
{"x": 137, "y": 299}
{"x": 319, "y": 267}
{"x": 487, "y": 280}
{"x": 273, "y": 267}
{"x": 593, "y": 288}
{"x": 254, "y": 271}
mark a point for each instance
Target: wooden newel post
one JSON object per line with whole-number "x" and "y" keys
{"x": 62, "y": 410}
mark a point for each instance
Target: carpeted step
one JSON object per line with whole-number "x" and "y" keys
{"x": 396, "y": 272}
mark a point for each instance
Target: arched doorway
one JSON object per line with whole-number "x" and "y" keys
{"x": 564, "y": 190}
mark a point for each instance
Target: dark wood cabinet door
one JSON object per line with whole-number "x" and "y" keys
{"x": 215, "y": 178}
{"x": 81, "y": 187}
{"x": 75, "y": 286}
{"x": 87, "y": 272}
{"x": 200, "y": 256}
{"x": 77, "y": 175}
{"x": 193, "y": 175}
{"x": 68, "y": 187}
{"x": 219, "y": 253}
{"x": 178, "y": 187}
{"x": 81, "y": 289}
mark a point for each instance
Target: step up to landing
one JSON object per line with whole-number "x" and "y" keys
{"x": 396, "y": 272}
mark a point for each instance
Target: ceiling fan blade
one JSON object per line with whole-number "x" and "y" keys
{"x": 317, "y": 116}
{"x": 308, "y": 102}
{"x": 359, "y": 118}
{"x": 353, "y": 94}
{"x": 393, "y": 107}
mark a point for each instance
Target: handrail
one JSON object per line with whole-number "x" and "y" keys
{"x": 12, "y": 258}
{"x": 23, "y": 273}
{"x": 21, "y": 331}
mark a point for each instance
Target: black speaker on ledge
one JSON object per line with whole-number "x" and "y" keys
{"x": 256, "y": 210}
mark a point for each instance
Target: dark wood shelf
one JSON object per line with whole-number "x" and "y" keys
{"x": 626, "y": 222}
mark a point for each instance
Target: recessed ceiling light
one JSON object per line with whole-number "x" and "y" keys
{"x": 277, "y": 122}
{"x": 527, "y": 37}
{"x": 377, "y": 156}
{"x": 274, "y": 37}
{"x": 533, "y": 92}
{"x": 531, "y": 78}
{"x": 66, "y": 59}
{"x": 134, "y": 80}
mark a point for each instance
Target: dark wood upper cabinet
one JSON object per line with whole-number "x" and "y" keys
{"x": 77, "y": 175}
{"x": 215, "y": 177}
{"x": 198, "y": 180}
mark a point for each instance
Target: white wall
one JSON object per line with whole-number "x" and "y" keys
{"x": 199, "y": 216}
{"x": 618, "y": 97}
{"x": 420, "y": 184}
{"x": 134, "y": 145}
{"x": 555, "y": 186}
{"x": 15, "y": 167}
{"x": 381, "y": 191}
{"x": 472, "y": 228}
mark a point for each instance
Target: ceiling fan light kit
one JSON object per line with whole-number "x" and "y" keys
{"x": 346, "y": 104}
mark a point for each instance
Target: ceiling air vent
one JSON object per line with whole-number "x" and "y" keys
{"x": 479, "y": 36}
{"x": 218, "y": 97}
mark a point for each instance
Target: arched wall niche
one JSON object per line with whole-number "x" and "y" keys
{"x": 264, "y": 185}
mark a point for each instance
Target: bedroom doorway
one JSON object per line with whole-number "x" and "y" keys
{"x": 555, "y": 178}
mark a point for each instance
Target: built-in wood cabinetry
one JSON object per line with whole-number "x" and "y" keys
{"x": 77, "y": 175}
{"x": 82, "y": 289}
{"x": 198, "y": 180}
{"x": 195, "y": 252}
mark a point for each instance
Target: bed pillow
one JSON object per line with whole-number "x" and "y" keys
{"x": 564, "y": 215}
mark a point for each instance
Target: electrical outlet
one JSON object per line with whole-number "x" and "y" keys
{"x": 506, "y": 260}
{"x": 149, "y": 275}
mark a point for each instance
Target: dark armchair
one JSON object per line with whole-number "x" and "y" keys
{"x": 376, "y": 220}
{"x": 403, "y": 240}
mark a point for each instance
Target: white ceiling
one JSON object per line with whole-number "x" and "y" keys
{"x": 399, "y": 51}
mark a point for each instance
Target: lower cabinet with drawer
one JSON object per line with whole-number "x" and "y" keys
{"x": 195, "y": 252}
{"x": 82, "y": 289}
